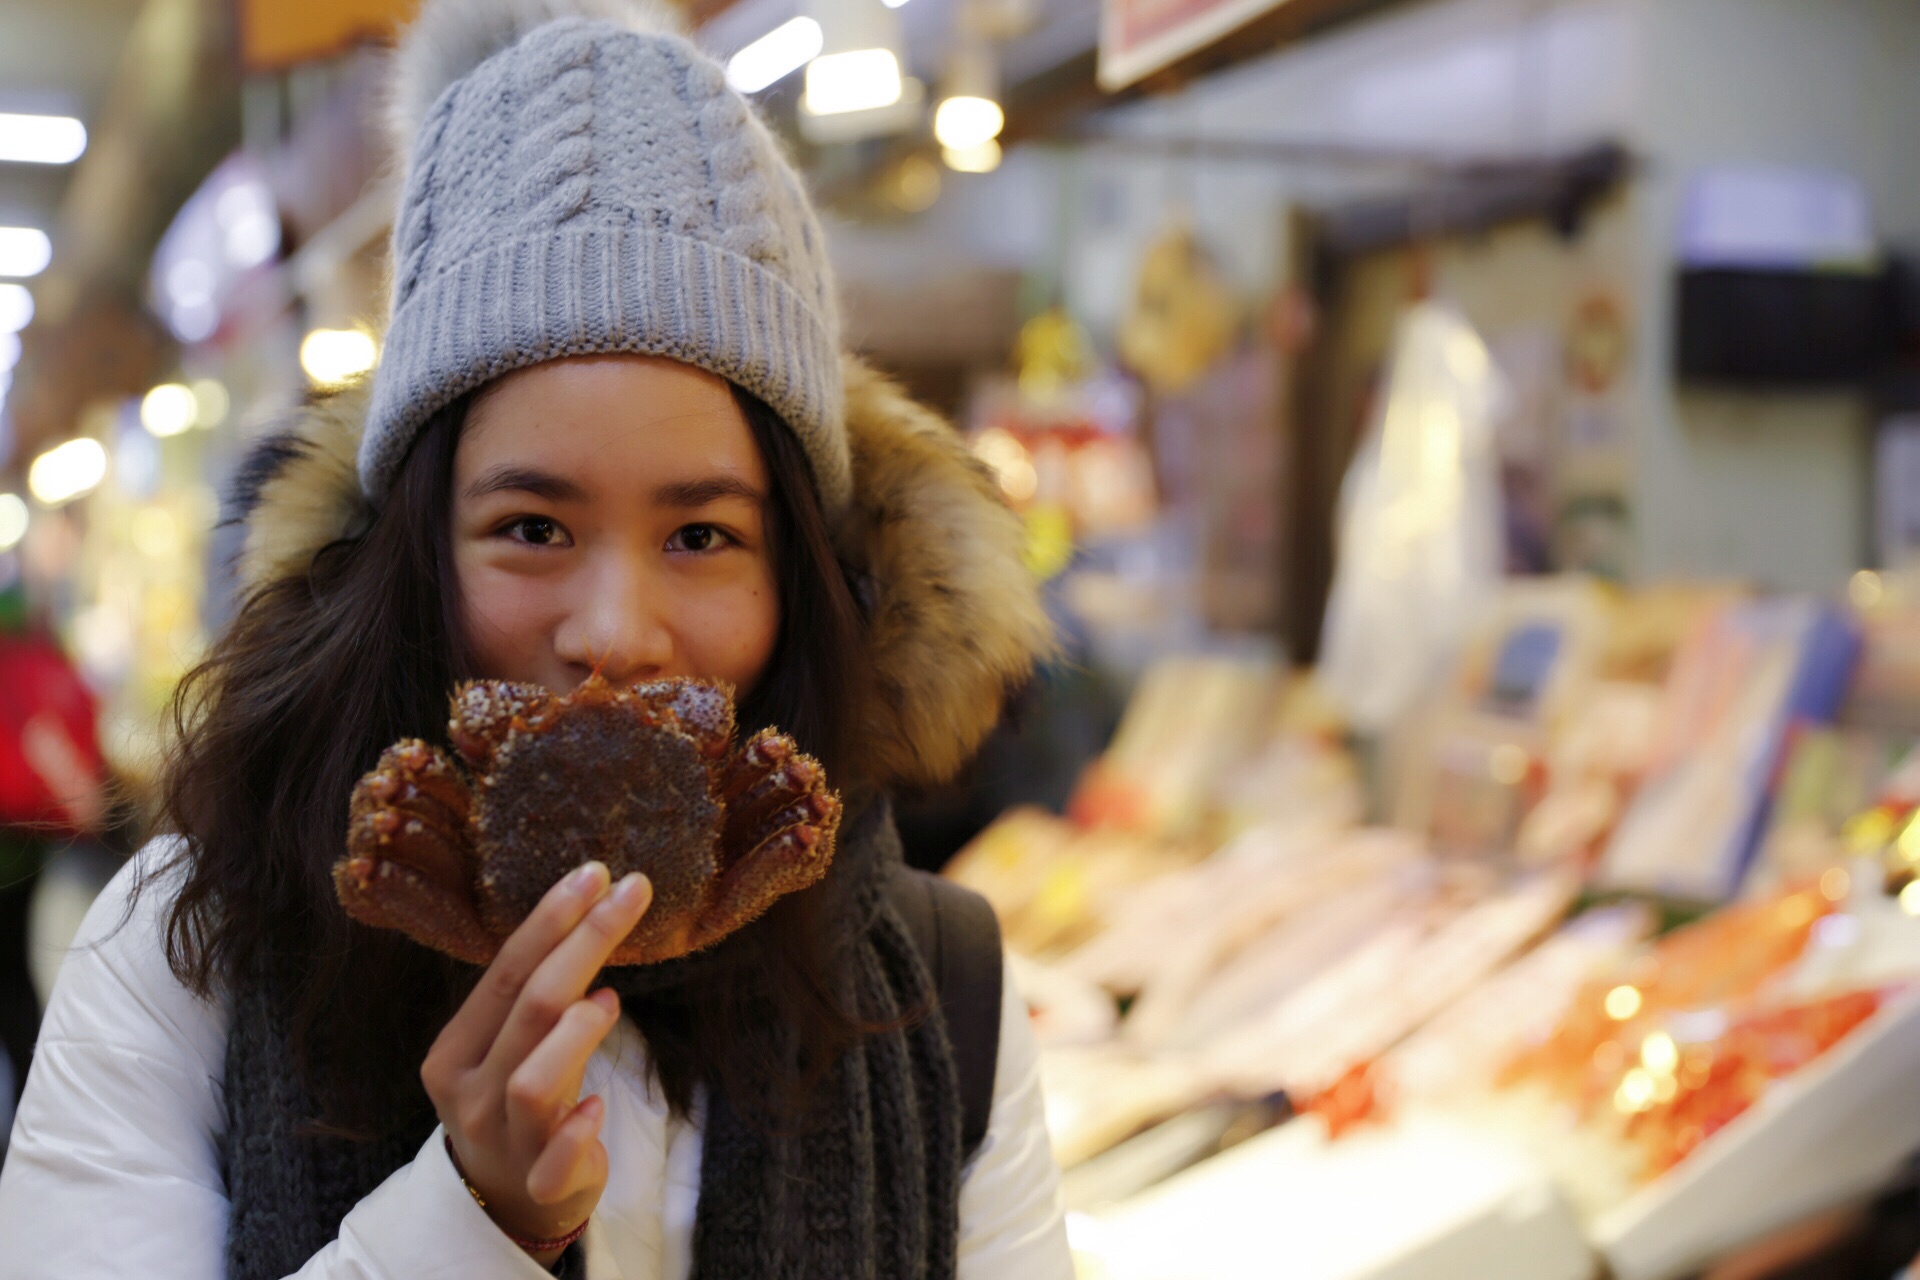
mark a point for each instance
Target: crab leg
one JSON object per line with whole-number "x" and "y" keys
{"x": 407, "y": 863}
{"x": 764, "y": 778}
{"x": 778, "y": 836}
{"x": 795, "y": 856}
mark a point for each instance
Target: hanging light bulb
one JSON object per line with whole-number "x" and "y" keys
{"x": 969, "y": 115}
{"x": 984, "y": 158}
{"x": 962, "y": 124}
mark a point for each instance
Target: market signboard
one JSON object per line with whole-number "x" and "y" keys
{"x": 277, "y": 34}
{"x": 1139, "y": 37}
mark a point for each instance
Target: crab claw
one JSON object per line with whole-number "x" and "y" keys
{"x": 406, "y": 863}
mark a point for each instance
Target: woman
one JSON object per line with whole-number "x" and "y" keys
{"x": 612, "y": 429}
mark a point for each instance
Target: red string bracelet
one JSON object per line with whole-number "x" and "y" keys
{"x": 530, "y": 1244}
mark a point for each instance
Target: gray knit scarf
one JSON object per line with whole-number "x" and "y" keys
{"x": 871, "y": 1192}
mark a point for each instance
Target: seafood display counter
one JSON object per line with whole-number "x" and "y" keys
{"x": 1279, "y": 1039}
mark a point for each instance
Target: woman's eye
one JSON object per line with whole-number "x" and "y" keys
{"x": 537, "y": 531}
{"x": 696, "y": 538}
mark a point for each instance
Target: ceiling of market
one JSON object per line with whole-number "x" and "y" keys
{"x": 156, "y": 83}
{"x": 56, "y": 57}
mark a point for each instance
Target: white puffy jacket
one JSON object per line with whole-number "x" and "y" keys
{"x": 114, "y": 1165}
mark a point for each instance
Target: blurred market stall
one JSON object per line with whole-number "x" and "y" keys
{"x": 1472, "y": 447}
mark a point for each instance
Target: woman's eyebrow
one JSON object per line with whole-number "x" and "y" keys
{"x": 698, "y": 493}
{"x": 541, "y": 484}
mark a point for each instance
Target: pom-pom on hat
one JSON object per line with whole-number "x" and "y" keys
{"x": 580, "y": 179}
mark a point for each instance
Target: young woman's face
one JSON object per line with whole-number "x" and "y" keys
{"x": 609, "y": 511}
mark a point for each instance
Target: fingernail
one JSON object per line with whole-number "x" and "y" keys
{"x": 587, "y": 877}
{"x": 606, "y": 999}
{"x": 630, "y": 889}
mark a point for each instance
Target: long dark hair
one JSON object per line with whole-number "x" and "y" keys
{"x": 318, "y": 672}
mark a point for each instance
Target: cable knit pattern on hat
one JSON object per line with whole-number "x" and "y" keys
{"x": 595, "y": 186}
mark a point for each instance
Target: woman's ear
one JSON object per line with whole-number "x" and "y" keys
{"x": 956, "y": 620}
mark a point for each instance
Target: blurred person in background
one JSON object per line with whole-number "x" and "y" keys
{"x": 52, "y": 790}
{"x": 613, "y": 431}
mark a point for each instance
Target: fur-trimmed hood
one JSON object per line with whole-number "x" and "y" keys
{"x": 956, "y": 619}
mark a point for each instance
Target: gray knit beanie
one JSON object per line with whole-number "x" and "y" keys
{"x": 580, "y": 179}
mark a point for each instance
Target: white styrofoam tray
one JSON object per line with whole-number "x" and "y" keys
{"x": 1427, "y": 1199}
{"x": 1832, "y": 1133}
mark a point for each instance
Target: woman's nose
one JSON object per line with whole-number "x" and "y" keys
{"x": 619, "y": 627}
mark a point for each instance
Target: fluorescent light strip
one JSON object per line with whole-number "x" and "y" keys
{"x": 860, "y": 80}
{"x": 24, "y": 251}
{"x": 41, "y": 139}
{"x": 16, "y": 308}
{"x": 775, "y": 55}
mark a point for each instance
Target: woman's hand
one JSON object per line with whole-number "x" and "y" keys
{"x": 505, "y": 1073}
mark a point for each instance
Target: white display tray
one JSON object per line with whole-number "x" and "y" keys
{"x": 1426, "y": 1199}
{"x": 1832, "y": 1133}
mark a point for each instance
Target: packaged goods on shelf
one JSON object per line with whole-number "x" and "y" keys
{"x": 1747, "y": 676}
{"x": 1419, "y": 524}
{"x": 1190, "y": 722}
{"x": 1527, "y": 665}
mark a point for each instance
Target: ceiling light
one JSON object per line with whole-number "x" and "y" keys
{"x": 858, "y": 80}
{"x": 963, "y": 124}
{"x": 334, "y": 356}
{"x": 984, "y": 158}
{"x": 16, "y": 308}
{"x": 969, "y": 114}
{"x": 775, "y": 55}
{"x": 41, "y": 139}
{"x": 24, "y": 251}
{"x": 13, "y": 520}
{"x": 63, "y": 473}
{"x": 168, "y": 410}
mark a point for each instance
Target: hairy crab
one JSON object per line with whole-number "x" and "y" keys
{"x": 454, "y": 849}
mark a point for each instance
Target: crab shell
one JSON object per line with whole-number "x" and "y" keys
{"x": 643, "y": 778}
